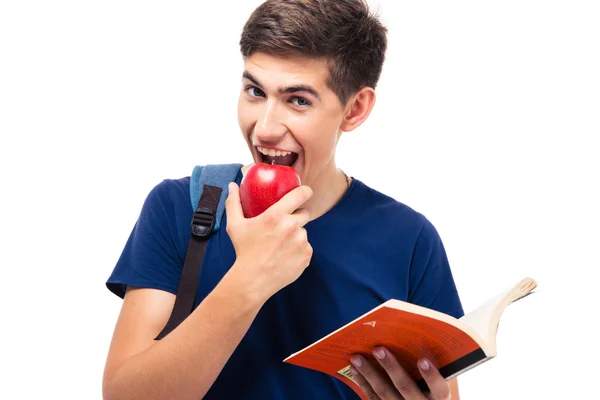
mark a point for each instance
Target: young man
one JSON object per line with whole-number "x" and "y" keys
{"x": 323, "y": 255}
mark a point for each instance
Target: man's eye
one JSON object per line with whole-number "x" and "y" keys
{"x": 255, "y": 92}
{"x": 299, "y": 101}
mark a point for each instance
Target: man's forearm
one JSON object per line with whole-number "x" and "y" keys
{"x": 185, "y": 363}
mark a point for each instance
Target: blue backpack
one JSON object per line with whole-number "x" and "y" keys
{"x": 208, "y": 192}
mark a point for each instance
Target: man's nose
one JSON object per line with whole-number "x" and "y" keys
{"x": 270, "y": 127}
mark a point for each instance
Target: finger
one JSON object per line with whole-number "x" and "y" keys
{"x": 402, "y": 381}
{"x": 364, "y": 385}
{"x": 292, "y": 200}
{"x": 233, "y": 204}
{"x": 438, "y": 386}
{"x": 378, "y": 382}
{"x": 301, "y": 216}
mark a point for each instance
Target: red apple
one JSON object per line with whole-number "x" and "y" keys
{"x": 263, "y": 185}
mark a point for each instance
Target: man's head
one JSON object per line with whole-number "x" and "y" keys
{"x": 343, "y": 32}
{"x": 311, "y": 67}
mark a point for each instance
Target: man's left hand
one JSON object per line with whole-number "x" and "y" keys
{"x": 398, "y": 385}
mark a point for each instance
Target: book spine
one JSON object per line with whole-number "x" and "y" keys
{"x": 457, "y": 367}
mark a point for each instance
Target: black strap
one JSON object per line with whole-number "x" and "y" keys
{"x": 203, "y": 222}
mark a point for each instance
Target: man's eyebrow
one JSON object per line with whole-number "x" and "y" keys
{"x": 289, "y": 89}
{"x": 300, "y": 88}
{"x": 252, "y": 79}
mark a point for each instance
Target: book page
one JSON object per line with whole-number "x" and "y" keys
{"x": 479, "y": 319}
{"x": 484, "y": 319}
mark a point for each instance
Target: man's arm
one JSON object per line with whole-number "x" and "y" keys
{"x": 454, "y": 389}
{"x": 272, "y": 251}
{"x": 185, "y": 363}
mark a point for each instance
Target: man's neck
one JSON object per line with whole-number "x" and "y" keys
{"x": 328, "y": 189}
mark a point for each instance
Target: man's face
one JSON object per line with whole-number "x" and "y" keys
{"x": 289, "y": 116}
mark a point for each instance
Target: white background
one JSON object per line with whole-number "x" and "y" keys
{"x": 486, "y": 121}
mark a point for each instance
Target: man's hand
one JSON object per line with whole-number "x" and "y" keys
{"x": 398, "y": 385}
{"x": 272, "y": 249}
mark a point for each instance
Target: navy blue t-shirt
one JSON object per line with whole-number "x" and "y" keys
{"x": 367, "y": 249}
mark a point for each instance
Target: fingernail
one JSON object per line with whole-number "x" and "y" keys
{"x": 424, "y": 365}
{"x": 379, "y": 353}
{"x": 356, "y": 361}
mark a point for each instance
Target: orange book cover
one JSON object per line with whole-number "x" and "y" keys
{"x": 408, "y": 335}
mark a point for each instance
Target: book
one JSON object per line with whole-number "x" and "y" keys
{"x": 411, "y": 332}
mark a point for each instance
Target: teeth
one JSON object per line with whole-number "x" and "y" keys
{"x": 273, "y": 152}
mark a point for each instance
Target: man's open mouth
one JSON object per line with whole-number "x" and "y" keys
{"x": 277, "y": 157}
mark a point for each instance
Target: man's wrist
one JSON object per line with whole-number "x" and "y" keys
{"x": 236, "y": 283}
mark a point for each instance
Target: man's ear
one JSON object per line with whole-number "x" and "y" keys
{"x": 358, "y": 108}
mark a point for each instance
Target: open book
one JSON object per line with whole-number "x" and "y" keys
{"x": 411, "y": 332}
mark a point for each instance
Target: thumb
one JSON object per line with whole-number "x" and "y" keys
{"x": 233, "y": 205}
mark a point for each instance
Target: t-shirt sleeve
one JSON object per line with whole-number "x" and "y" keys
{"x": 431, "y": 282}
{"x": 151, "y": 256}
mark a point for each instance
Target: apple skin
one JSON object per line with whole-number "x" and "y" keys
{"x": 263, "y": 185}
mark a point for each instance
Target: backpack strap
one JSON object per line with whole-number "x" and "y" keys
{"x": 218, "y": 175}
{"x": 208, "y": 192}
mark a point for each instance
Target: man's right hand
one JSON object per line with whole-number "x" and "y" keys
{"x": 272, "y": 249}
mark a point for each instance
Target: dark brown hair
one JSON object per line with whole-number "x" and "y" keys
{"x": 343, "y": 32}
